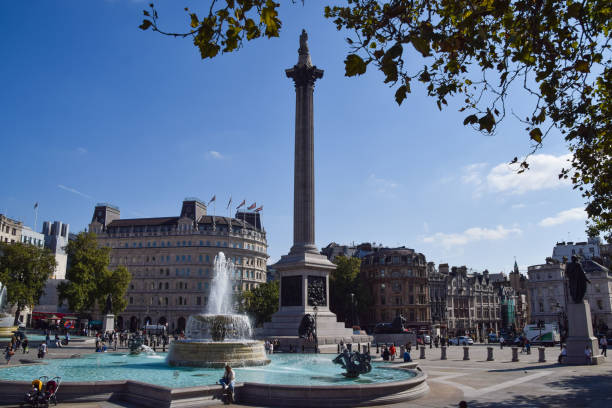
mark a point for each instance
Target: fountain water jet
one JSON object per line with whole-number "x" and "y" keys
{"x": 218, "y": 336}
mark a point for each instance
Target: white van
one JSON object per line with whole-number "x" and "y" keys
{"x": 547, "y": 335}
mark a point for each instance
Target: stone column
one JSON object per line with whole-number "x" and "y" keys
{"x": 490, "y": 353}
{"x": 515, "y": 356}
{"x": 466, "y": 353}
{"x": 304, "y": 75}
{"x": 542, "y": 355}
{"x": 443, "y": 353}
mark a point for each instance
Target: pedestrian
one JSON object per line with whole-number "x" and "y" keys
{"x": 48, "y": 338}
{"x": 24, "y": 345}
{"x": 407, "y": 358}
{"x": 409, "y": 346}
{"x": 392, "y": 351}
{"x": 603, "y": 345}
{"x": 501, "y": 342}
{"x": 587, "y": 354}
{"x": 385, "y": 354}
{"x": 42, "y": 350}
{"x": 8, "y": 353}
{"x": 57, "y": 341}
{"x": 563, "y": 354}
{"x": 228, "y": 380}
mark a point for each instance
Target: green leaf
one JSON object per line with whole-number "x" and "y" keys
{"x": 145, "y": 25}
{"x": 354, "y": 65}
{"x": 421, "y": 45}
{"x": 400, "y": 94}
{"x": 582, "y": 66}
{"x": 470, "y": 120}
{"x": 536, "y": 135}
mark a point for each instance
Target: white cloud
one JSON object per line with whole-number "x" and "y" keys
{"x": 81, "y": 150}
{"x": 562, "y": 217}
{"x": 381, "y": 185}
{"x": 519, "y": 205}
{"x": 471, "y": 235}
{"x": 543, "y": 173}
{"x": 74, "y": 191}
{"x": 215, "y": 155}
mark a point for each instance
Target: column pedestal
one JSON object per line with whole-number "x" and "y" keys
{"x": 581, "y": 335}
{"x": 108, "y": 323}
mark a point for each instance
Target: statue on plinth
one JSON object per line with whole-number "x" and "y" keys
{"x": 108, "y": 308}
{"x": 577, "y": 280}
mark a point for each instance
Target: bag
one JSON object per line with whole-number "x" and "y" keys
{"x": 40, "y": 354}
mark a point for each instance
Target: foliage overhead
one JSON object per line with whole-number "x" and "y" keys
{"x": 557, "y": 52}
{"x": 89, "y": 281}
{"x": 261, "y": 302}
{"x": 343, "y": 281}
{"x": 24, "y": 270}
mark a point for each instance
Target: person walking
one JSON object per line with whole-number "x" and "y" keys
{"x": 501, "y": 342}
{"x": 228, "y": 380}
{"x": 24, "y": 345}
{"x": 42, "y": 350}
{"x": 57, "y": 341}
{"x": 603, "y": 345}
{"x": 587, "y": 355}
{"x": 8, "y": 353}
{"x": 392, "y": 351}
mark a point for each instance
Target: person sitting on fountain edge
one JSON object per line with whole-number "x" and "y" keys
{"x": 228, "y": 380}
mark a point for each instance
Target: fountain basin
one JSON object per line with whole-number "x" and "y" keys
{"x": 197, "y": 353}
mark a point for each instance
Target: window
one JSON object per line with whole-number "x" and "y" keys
{"x": 599, "y": 304}
{"x": 131, "y": 300}
{"x": 382, "y": 299}
{"x": 541, "y": 307}
{"x": 166, "y": 286}
{"x": 207, "y": 259}
{"x": 198, "y": 300}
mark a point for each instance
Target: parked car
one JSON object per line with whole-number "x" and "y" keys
{"x": 461, "y": 340}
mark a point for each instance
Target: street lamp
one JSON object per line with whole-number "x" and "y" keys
{"x": 315, "y": 309}
{"x": 352, "y": 295}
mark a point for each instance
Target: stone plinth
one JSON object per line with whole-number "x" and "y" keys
{"x": 108, "y": 323}
{"x": 217, "y": 354}
{"x": 581, "y": 335}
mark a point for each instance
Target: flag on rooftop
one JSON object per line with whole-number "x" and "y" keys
{"x": 36, "y": 205}
{"x": 241, "y": 204}
{"x": 258, "y": 209}
{"x": 212, "y": 199}
{"x": 252, "y": 206}
{"x": 229, "y": 203}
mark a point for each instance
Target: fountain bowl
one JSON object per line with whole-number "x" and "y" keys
{"x": 214, "y": 340}
{"x": 216, "y": 354}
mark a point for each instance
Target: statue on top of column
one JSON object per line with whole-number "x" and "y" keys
{"x": 303, "y": 52}
{"x": 577, "y": 280}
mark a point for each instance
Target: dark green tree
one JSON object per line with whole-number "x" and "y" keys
{"x": 24, "y": 270}
{"x": 556, "y": 52}
{"x": 261, "y": 302}
{"x": 343, "y": 281}
{"x": 89, "y": 281}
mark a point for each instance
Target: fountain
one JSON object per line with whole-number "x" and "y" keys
{"x": 6, "y": 319}
{"x": 219, "y": 336}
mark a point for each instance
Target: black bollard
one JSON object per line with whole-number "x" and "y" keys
{"x": 338, "y": 348}
{"x": 302, "y": 348}
{"x": 350, "y": 346}
{"x": 359, "y": 347}
{"x": 377, "y": 349}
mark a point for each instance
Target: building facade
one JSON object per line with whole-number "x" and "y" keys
{"x": 547, "y": 292}
{"x": 437, "y": 298}
{"x": 472, "y": 303}
{"x": 29, "y": 236}
{"x": 564, "y": 251}
{"x": 56, "y": 237}
{"x": 10, "y": 230}
{"x": 171, "y": 259}
{"x": 397, "y": 278}
{"x": 599, "y": 295}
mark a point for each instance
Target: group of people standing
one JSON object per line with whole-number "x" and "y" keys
{"x": 270, "y": 346}
{"x": 390, "y": 353}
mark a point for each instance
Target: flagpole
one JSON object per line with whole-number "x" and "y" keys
{"x": 35, "y": 216}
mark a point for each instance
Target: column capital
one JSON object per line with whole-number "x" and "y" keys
{"x": 304, "y": 75}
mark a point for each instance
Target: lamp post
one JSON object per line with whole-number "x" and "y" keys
{"x": 352, "y": 295}
{"x": 315, "y": 309}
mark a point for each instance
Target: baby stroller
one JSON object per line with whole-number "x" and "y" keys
{"x": 50, "y": 393}
{"x": 34, "y": 396}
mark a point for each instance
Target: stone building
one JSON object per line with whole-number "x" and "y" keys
{"x": 29, "y": 236}
{"x": 472, "y": 303}
{"x": 599, "y": 295}
{"x": 171, "y": 259}
{"x": 437, "y": 298}
{"x": 10, "y": 230}
{"x": 547, "y": 292}
{"x": 398, "y": 281}
{"x": 563, "y": 251}
{"x": 56, "y": 237}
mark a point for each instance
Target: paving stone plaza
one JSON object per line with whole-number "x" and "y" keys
{"x": 481, "y": 383}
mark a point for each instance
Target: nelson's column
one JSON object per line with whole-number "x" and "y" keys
{"x": 304, "y": 272}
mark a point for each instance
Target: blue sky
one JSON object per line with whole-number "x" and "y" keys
{"x": 95, "y": 110}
